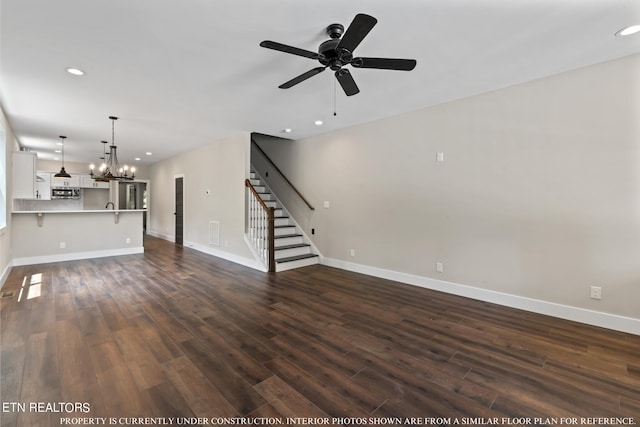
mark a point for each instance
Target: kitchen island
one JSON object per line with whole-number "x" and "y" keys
{"x": 63, "y": 235}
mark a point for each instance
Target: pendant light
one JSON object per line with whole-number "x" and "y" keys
{"x": 63, "y": 173}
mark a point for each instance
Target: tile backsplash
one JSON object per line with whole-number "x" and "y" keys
{"x": 90, "y": 199}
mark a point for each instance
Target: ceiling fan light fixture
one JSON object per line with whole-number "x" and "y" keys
{"x": 627, "y": 31}
{"x": 318, "y": 123}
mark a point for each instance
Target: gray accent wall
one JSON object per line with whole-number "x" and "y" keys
{"x": 538, "y": 195}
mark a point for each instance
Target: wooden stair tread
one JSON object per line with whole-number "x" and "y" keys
{"x": 284, "y": 236}
{"x": 296, "y": 258}
{"x": 294, "y": 246}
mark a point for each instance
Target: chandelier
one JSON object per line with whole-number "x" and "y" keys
{"x": 110, "y": 169}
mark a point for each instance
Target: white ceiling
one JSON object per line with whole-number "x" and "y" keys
{"x": 182, "y": 74}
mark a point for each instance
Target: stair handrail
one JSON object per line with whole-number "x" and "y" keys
{"x": 282, "y": 175}
{"x": 270, "y": 212}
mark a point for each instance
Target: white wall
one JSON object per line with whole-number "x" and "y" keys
{"x": 5, "y": 234}
{"x": 219, "y": 168}
{"x": 538, "y": 196}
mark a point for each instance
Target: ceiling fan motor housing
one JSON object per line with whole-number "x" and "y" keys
{"x": 331, "y": 57}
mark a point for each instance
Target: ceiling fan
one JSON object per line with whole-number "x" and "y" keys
{"x": 338, "y": 52}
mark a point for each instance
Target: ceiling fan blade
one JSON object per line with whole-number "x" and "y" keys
{"x": 302, "y": 77}
{"x": 385, "y": 63}
{"x": 289, "y": 49}
{"x": 346, "y": 81}
{"x": 357, "y": 31}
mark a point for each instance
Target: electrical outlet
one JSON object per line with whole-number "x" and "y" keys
{"x": 596, "y": 292}
{"x": 353, "y": 252}
{"x": 439, "y": 267}
{"x": 63, "y": 245}
{"x": 128, "y": 240}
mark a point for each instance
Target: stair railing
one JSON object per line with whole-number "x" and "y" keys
{"x": 261, "y": 221}
{"x": 277, "y": 169}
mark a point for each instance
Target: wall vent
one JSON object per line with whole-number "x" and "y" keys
{"x": 214, "y": 233}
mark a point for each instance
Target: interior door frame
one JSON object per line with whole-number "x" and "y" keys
{"x": 175, "y": 178}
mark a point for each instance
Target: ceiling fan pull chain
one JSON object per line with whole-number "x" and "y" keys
{"x": 334, "y": 98}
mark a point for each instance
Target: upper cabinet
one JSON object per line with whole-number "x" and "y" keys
{"x": 74, "y": 181}
{"x": 24, "y": 175}
{"x": 87, "y": 182}
{"x": 43, "y": 185}
{"x": 29, "y": 183}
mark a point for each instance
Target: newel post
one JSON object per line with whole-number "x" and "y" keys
{"x": 271, "y": 236}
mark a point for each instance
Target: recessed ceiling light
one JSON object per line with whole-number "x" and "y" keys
{"x": 627, "y": 31}
{"x": 287, "y": 130}
{"x": 75, "y": 71}
{"x": 137, "y": 159}
{"x": 58, "y": 151}
{"x": 318, "y": 122}
{"x": 148, "y": 153}
{"x": 59, "y": 143}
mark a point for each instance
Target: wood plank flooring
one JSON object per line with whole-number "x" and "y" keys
{"x": 177, "y": 333}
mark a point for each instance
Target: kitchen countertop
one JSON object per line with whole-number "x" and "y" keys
{"x": 79, "y": 211}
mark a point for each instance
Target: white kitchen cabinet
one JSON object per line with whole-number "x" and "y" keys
{"x": 43, "y": 185}
{"x": 87, "y": 182}
{"x": 24, "y": 175}
{"x": 74, "y": 181}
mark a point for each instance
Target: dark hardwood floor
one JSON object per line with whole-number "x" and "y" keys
{"x": 176, "y": 333}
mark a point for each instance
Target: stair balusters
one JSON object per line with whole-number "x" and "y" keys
{"x": 261, "y": 227}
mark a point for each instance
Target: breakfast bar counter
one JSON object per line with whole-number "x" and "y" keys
{"x": 62, "y": 235}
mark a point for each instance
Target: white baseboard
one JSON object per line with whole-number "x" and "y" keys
{"x": 44, "y": 259}
{"x": 247, "y": 262}
{"x": 5, "y": 273}
{"x": 256, "y": 255}
{"x": 212, "y": 251}
{"x": 590, "y": 317}
{"x": 161, "y": 235}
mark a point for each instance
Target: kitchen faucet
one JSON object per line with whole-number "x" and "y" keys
{"x": 109, "y": 203}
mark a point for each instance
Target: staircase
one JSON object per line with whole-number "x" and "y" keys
{"x": 291, "y": 248}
